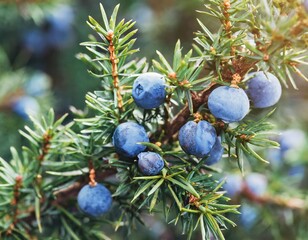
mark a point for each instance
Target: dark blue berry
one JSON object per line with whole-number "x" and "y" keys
{"x": 215, "y": 153}
{"x": 150, "y": 163}
{"x": 95, "y": 200}
{"x": 149, "y": 90}
{"x": 197, "y": 138}
{"x": 126, "y": 138}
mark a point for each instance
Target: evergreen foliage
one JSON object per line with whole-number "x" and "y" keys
{"x": 40, "y": 183}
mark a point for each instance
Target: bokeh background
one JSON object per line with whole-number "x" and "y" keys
{"x": 39, "y": 41}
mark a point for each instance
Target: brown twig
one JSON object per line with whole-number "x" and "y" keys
{"x": 14, "y": 203}
{"x": 292, "y": 203}
{"x": 114, "y": 62}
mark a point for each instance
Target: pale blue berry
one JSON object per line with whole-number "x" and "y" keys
{"x": 228, "y": 103}
{"x": 263, "y": 89}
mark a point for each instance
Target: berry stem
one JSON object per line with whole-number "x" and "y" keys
{"x": 92, "y": 181}
{"x": 114, "y": 62}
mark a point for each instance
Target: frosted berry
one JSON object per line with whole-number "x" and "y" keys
{"x": 215, "y": 153}
{"x": 197, "y": 138}
{"x": 94, "y": 200}
{"x": 256, "y": 183}
{"x": 249, "y": 215}
{"x": 150, "y": 163}
{"x": 228, "y": 103}
{"x": 126, "y": 138}
{"x": 38, "y": 84}
{"x": 291, "y": 139}
{"x": 25, "y": 106}
{"x": 263, "y": 89}
{"x": 233, "y": 185}
{"x": 149, "y": 90}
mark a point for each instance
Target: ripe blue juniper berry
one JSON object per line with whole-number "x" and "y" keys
{"x": 256, "y": 183}
{"x": 263, "y": 89}
{"x": 229, "y": 104}
{"x": 38, "y": 84}
{"x": 197, "y": 138}
{"x": 126, "y": 138}
{"x": 149, "y": 90}
{"x": 94, "y": 200}
{"x": 150, "y": 163}
{"x": 291, "y": 139}
{"x": 216, "y": 152}
{"x": 249, "y": 215}
{"x": 25, "y": 106}
{"x": 192, "y": 195}
{"x": 233, "y": 184}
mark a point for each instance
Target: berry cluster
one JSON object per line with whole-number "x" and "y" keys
{"x": 199, "y": 138}
{"x": 229, "y": 104}
{"x": 148, "y": 92}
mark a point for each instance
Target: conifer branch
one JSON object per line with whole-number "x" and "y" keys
{"x": 14, "y": 203}
{"x": 45, "y": 145}
{"x": 114, "y": 62}
{"x": 291, "y": 203}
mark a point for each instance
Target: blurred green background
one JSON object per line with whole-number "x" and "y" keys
{"x": 39, "y": 40}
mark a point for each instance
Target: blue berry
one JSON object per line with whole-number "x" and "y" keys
{"x": 38, "y": 84}
{"x": 35, "y": 41}
{"x": 256, "y": 183}
{"x": 215, "y": 153}
{"x": 233, "y": 185}
{"x": 150, "y": 163}
{"x": 249, "y": 215}
{"x": 274, "y": 156}
{"x": 228, "y": 103}
{"x": 95, "y": 200}
{"x": 197, "y": 138}
{"x": 59, "y": 33}
{"x": 56, "y": 32}
{"x": 149, "y": 90}
{"x": 291, "y": 139}
{"x": 125, "y": 139}
{"x": 263, "y": 89}
{"x": 25, "y": 106}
